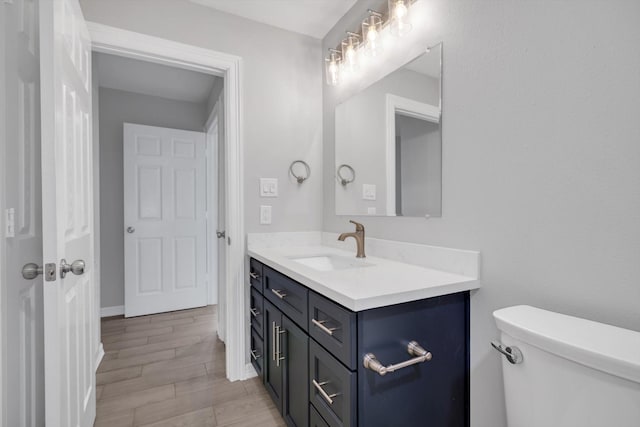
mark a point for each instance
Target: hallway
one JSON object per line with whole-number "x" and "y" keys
{"x": 168, "y": 369}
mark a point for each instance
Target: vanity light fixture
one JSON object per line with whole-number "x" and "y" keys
{"x": 350, "y": 47}
{"x": 371, "y": 29}
{"x": 345, "y": 60}
{"x": 400, "y": 17}
{"x": 332, "y": 67}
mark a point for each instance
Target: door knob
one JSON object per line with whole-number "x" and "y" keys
{"x": 131, "y": 230}
{"x": 31, "y": 270}
{"x": 76, "y": 267}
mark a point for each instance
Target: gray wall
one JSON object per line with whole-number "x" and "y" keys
{"x": 282, "y": 90}
{"x": 541, "y": 160}
{"x": 117, "y": 107}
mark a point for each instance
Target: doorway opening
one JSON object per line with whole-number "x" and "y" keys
{"x": 223, "y": 125}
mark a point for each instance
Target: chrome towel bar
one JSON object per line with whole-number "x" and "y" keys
{"x": 413, "y": 348}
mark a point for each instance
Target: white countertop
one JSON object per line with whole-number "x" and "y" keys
{"x": 384, "y": 283}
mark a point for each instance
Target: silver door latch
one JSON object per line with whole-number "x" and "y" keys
{"x": 220, "y": 234}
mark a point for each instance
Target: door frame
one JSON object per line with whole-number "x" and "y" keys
{"x": 212, "y": 204}
{"x": 3, "y": 157}
{"x": 117, "y": 41}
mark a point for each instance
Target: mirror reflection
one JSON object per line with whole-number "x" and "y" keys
{"x": 389, "y": 143}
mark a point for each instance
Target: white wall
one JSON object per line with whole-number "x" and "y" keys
{"x": 282, "y": 90}
{"x": 541, "y": 160}
{"x": 117, "y": 107}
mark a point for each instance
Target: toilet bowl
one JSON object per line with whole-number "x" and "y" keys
{"x": 572, "y": 372}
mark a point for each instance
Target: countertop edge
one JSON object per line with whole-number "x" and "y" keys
{"x": 371, "y": 302}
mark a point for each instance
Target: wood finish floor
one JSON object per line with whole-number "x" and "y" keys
{"x": 169, "y": 370}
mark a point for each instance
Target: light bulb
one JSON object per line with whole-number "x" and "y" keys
{"x": 333, "y": 68}
{"x": 349, "y": 52}
{"x": 400, "y": 21}
{"x": 371, "y": 28}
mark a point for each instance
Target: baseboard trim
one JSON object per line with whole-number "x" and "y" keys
{"x": 249, "y": 371}
{"x": 99, "y": 355}
{"x": 116, "y": 310}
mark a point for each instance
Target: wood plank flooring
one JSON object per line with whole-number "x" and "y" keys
{"x": 168, "y": 369}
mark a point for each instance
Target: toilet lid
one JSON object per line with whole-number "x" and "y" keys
{"x": 604, "y": 347}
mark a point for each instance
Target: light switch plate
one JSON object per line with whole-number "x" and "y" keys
{"x": 268, "y": 187}
{"x": 368, "y": 191}
{"x": 265, "y": 214}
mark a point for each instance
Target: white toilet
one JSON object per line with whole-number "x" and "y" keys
{"x": 571, "y": 372}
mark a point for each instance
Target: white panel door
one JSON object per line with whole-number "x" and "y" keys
{"x": 23, "y": 336}
{"x": 70, "y": 315}
{"x": 164, "y": 219}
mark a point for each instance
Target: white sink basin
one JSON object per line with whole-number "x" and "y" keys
{"x": 331, "y": 262}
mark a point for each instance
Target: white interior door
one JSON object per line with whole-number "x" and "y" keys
{"x": 23, "y": 338}
{"x": 165, "y": 219}
{"x": 70, "y": 314}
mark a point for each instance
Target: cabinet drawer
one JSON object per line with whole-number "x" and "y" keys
{"x": 286, "y": 294}
{"x": 315, "y": 420}
{"x": 256, "y": 311}
{"x": 332, "y": 388}
{"x": 334, "y": 327}
{"x": 257, "y": 353}
{"x": 255, "y": 274}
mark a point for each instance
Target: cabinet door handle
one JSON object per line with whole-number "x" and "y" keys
{"x": 273, "y": 341}
{"x": 255, "y": 355}
{"x": 320, "y": 324}
{"x": 254, "y": 312}
{"x": 279, "y": 293}
{"x": 279, "y": 333}
{"x": 254, "y": 275}
{"x": 324, "y": 394}
{"x": 413, "y": 348}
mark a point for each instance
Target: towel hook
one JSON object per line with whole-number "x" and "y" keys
{"x": 307, "y": 169}
{"x": 344, "y": 181}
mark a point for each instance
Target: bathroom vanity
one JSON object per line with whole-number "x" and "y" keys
{"x": 345, "y": 342}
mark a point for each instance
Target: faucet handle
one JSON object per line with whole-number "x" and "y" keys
{"x": 359, "y": 227}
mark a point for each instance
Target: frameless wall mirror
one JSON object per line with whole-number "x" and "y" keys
{"x": 390, "y": 135}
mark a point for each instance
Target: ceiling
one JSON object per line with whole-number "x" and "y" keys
{"x": 148, "y": 78}
{"x": 311, "y": 17}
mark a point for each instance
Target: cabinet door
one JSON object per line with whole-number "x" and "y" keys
{"x": 433, "y": 393}
{"x": 315, "y": 420}
{"x": 295, "y": 403}
{"x": 273, "y": 365}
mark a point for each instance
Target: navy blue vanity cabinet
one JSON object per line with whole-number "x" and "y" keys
{"x": 255, "y": 274}
{"x": 432, "y": 393}
{"x": 314, "y": 350}
{"x": 286, "y": 372}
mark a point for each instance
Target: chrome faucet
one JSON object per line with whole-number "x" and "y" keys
{"x": 358, "y": 235}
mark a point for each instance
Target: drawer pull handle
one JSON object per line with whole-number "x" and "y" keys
{"x": 413, "y": 348}
{"x": 254, "y": 312}
{"x": 255, "y": 355}
{"x": 279, "y": 293}
{"x": 254, "y": 275}
{"x": 325, "y": 396}
{"x": 320, "y": 324}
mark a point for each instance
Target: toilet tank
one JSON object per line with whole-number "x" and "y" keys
{"x": 575, "y": 372}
